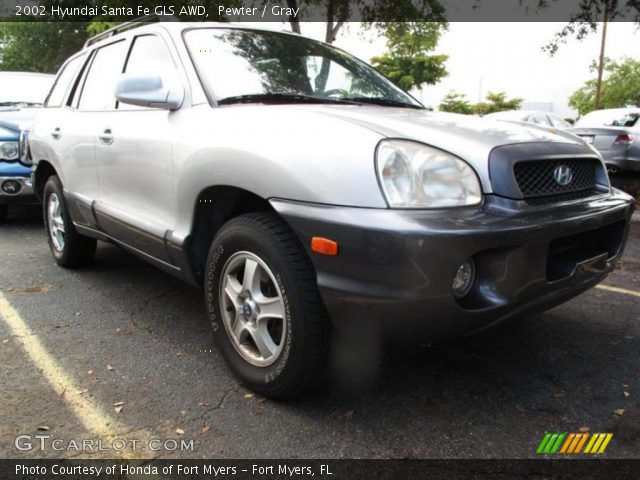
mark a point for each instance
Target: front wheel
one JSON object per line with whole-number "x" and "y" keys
{"x": 265, "y": 309}
{"x": 69, "y": 248}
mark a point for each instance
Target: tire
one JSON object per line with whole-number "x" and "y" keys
{"x": 68, "y": 247}
{"x": 4, "y": 213}
{"x": 285, "y": 286}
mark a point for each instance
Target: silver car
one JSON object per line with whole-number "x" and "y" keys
{"x": 545, "y": 119}
{"x": 309, "y": 197}
{"x": 615, "y": 133}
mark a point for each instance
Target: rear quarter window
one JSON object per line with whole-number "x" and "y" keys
{"x": 63, "y": 82}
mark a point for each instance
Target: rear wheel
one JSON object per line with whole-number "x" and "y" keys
{"x": 69, "y": 248}
{"x": 264, "y": 306}
{"x": 4, "y": 212}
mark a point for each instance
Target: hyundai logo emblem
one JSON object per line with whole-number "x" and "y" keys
{"x": 563, "y": 175}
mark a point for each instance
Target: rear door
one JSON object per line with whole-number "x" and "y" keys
{"x": 134, "y": 154}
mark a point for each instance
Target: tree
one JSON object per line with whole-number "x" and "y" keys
{"x": 456, "y": 103}
{"x": 586, "y": 19}
{"x": 620, "y": 88}
{"x": 374, "y": 13}
{"x": 497, "y": 102}
{"x": 408, "y": 63}
{"x": 39, "y": 46}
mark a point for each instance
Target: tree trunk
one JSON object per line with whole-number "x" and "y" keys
{"x": 293, "y": 21}
{"x": 601, "y": 60}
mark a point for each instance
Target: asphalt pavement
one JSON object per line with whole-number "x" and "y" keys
{"x": 122, "y": 350}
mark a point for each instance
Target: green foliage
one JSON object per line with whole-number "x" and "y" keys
{"x": 454, "y": 102}
{"x": 497, "y": 102}
{"x": 38, "y": 46}
{"x": 407, "y": 62}
{"x": 588, "y": 17}
{"x": 620, "y": 87}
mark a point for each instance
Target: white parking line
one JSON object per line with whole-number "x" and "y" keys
{"x": 619, "y": 290}
{"x": 91, "y": 415}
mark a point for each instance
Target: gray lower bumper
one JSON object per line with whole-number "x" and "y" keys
{"x": 24, "y": 194}
{"x": 396, "y": 267}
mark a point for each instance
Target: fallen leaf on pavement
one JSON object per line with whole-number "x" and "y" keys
{"x": 618, "y": 411}
{"x": 89, "y": 372}
{"x": 82, "y": 392}
{"x": 37, "y": 288}
{"x": 261, "y": 400}
{"x": 203, "y": 404}
{"x": 346, "y": 415}
{"x": 179, "y": 431}
{"x": 109, "y": 367}
{"x": 5, "y": 341}
{"x": 249, "y": 395}
{"x": 559, "y": 395}
{"x": 584, "y": 429}
{"x": 43, "y": 428}
{"x": 118, "y": 406}
{"x": 204, "y": 430}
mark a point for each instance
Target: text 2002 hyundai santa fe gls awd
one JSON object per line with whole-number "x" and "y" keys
{"x": 304, "y": 190}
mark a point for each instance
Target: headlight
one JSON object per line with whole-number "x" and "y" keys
{"x": 9, "y": 150}
{"x": 414, "y": 175}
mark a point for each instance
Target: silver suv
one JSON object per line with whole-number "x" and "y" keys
{"x": 308, "y": 195}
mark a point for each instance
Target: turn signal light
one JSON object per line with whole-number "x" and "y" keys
{"x": 324, "y": 246}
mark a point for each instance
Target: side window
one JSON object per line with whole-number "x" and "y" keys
{"x": 558, "y": 122}
{"x": 150, "y": 56}
{"x": 65, "y": 78}
{"x": 540, "y": 120}
{"x": 100, "y": 82}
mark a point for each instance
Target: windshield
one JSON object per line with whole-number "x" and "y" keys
{"x": 609, "y": 118}
{"x": 243, "y": 66}
{"x": 17, "y": 89}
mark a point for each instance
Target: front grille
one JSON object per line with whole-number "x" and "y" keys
{"x": 536, "y": 177}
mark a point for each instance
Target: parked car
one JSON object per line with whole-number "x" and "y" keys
{"x": 305, "y": 193}
{"x": 21, "y": 96}
{"x": 615, "y": 133}
{"x": 546, "y": 119}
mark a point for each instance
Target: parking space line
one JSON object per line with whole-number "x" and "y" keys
{"x": 90, "y": 414}
{"x": 624, "y": 291}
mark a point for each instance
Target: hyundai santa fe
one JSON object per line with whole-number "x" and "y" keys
{"x": 304, "y": 192}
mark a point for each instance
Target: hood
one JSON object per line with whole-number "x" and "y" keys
{"x": 470, "y": 138}
{"x": 18, "y": 118}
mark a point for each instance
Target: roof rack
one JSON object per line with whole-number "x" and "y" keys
{"x": 128, "y": 26}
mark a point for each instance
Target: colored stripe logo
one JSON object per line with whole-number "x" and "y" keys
{"x": 570, "y": 443}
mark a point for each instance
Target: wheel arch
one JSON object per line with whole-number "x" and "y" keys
{"x": 215, "y": 206}
{"x": 43, "y": 171}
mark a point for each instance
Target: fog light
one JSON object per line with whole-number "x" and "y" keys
{"x": 11, "y": 187}
{"x": 463, "y": 279}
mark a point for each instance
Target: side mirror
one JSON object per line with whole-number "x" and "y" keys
{"x": 148, "y": 91}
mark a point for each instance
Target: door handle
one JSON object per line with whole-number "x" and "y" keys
{"x": 56, "y": 134}
{"x": 106, "y": 137}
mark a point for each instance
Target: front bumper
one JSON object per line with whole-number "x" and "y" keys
{"x": 395, "y": 268}
{"x": 24, "y": 195}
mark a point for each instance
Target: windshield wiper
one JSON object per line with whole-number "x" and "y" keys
{"x": 280, "y": 98}
{"x": 382, "y": 101}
